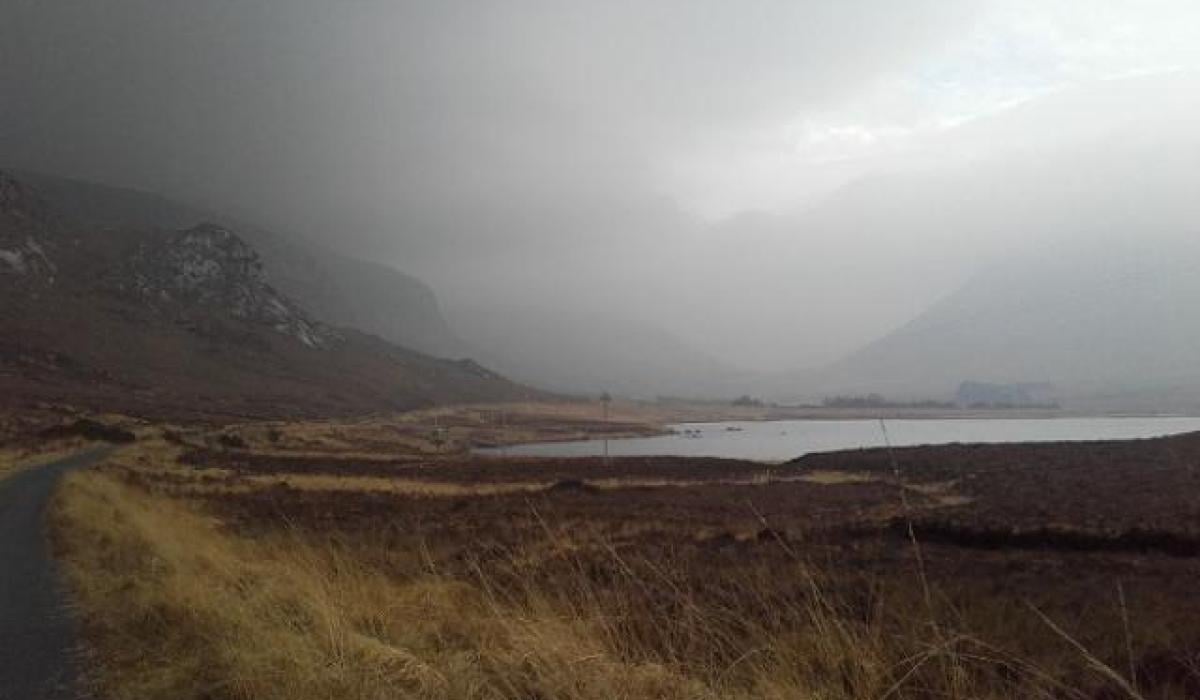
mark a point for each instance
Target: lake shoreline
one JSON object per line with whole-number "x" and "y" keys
{"x": 783, "y": 440}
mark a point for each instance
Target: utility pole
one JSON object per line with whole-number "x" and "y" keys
{"x": 605, "y": 399}
{"x": 503, "y": 424}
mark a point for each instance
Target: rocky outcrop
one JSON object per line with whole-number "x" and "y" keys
{"x": 208, "y": 268}
{"x": 23, "y": 231}
{"x": 179, "y": 321}
{"x": 26, "y": 258}
{"x": 205, "y": 270}
{"x": 339, "y": 290}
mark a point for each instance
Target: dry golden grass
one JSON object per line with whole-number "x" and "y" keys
{"x": 177, "y": 606}
{"x": 831, "y": 478}
{"x": 201, "y": 480}
{"x": 619, "y": 411}
{"x": 455, "y": 429}
{"x": 411, "y": 487}
{"x": 179, "y": 609}
{"x": 22, "y": 444}
{"x": 324, "y": 482}
{"x": 444, "y": 430}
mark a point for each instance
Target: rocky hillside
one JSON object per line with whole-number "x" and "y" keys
{"x": 209, "y": 269}
{"x": 342, "y": 291}
{"x": 187, "y": 323}
{"x": 23, "y": 234}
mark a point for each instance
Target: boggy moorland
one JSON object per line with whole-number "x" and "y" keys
{"x": 270, "y": 568}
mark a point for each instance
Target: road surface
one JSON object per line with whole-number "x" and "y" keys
{"x": 37, "y": 633}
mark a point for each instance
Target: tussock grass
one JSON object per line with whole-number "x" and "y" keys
{"x": 176, "y": 606}
{"x": 452, "y": 489}
{"x": 178, "y": 609}
{"x": 24, "y": 442}
{"x": 444, "y": 430}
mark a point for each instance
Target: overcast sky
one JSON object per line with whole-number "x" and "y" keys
{"x": 598, "y": 155}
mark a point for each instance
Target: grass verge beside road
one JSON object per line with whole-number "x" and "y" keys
{"x": 195, "y": 585}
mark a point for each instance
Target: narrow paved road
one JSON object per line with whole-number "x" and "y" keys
{"x": 37, "y": 634}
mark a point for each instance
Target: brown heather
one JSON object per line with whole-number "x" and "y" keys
{"x": 197, "y": 580}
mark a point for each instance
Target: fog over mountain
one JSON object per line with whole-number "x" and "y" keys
{"x": 339, "y": 289}
{"x": 588, "y": 353}
{"x": 1102, "y": 324}
{"x": 702, "y": 198}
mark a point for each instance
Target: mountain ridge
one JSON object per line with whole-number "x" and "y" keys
{"x": 1095, "y": 322}
{"x": 186, "y": 324}
{"x": 341, "y": 290}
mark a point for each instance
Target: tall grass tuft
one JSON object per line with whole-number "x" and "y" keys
{"x": 176, "y": 606}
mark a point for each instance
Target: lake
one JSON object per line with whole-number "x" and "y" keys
{"x": 783, "y": 440}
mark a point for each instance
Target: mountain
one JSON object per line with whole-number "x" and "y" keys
{"x": 341, "y": 290}
{"x": 1068, "y": 257}
{"x": 23, "y": 225}
{"x": 557, "y": 351}
{"x": 187, "y": 323}
{"x": 589, "y": 353}
{"x": 1107, "y": 325}
{"x": 209, "y": 269}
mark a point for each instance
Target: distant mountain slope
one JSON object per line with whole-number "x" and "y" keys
{"x": 1075, "y": 256}
{"x": 592, "y": 353}
{"x": 187, "y": 323}
{"x": 344, "y": 291}
{"x": 1107, "y": 323}
{"x": 24, "y": 225}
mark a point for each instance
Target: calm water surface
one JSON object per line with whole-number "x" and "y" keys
{"x": 781, "y": 440}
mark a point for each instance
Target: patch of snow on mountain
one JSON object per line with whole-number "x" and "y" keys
{"x": 26, "y": 258}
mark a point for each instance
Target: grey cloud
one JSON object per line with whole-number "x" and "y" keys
{"x": 410, "y": 126}
{"x": 514, "y": 152}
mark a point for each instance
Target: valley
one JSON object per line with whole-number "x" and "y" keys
{"x": 590, "y": 351}
{"x": 291, "y": 504}
{"x": 186, "y": 323}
